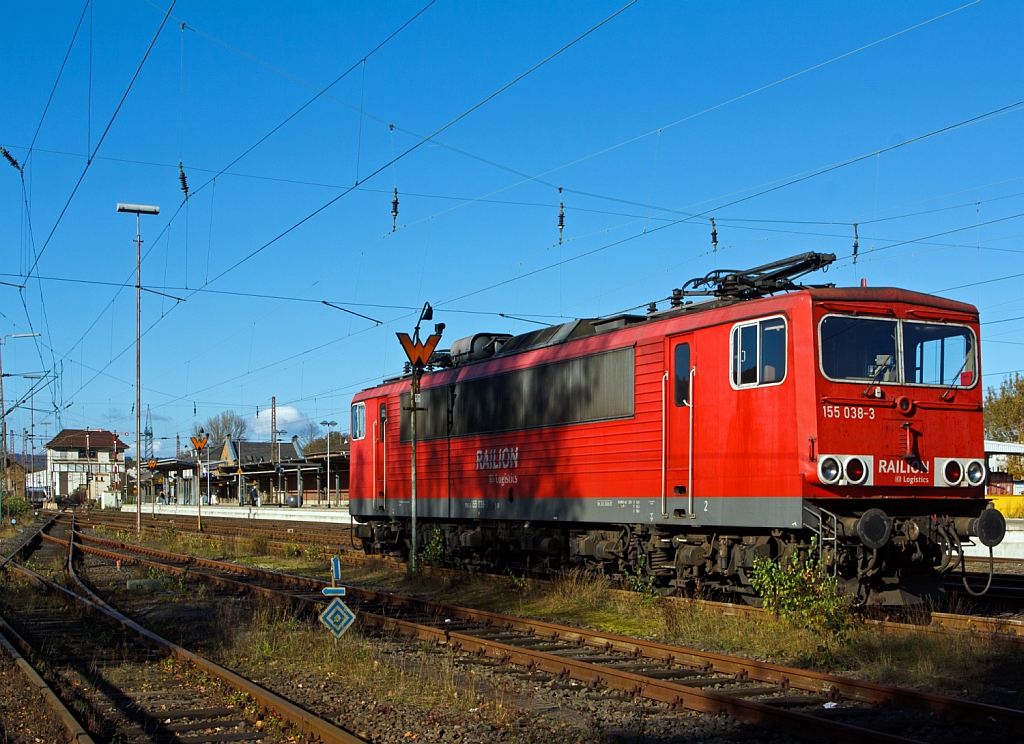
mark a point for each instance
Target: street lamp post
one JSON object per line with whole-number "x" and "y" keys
{"x": 3, "y": 418}
{"x": 328, "y": 424}
{"x": 138, "y": 210}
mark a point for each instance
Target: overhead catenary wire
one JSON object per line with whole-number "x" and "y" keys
{"x": 891, "y": 36}
{"x": 764, "y": 190}
{"x": 99, "y": 144}
{"x": 800, "y": 177}
{"x": 91, "y": 156}
{"x": 415, "y": 146}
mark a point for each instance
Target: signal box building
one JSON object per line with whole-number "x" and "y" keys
{"x": 87, "y": 461}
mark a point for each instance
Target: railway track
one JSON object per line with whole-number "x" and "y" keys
{"x": 1004, "y": 625}
{"x": 110, "y": 679}
{"x": 807, "y": 704}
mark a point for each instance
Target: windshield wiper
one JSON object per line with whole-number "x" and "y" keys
{"x": 953, "y": 385}
{"x": 880, "y": 367}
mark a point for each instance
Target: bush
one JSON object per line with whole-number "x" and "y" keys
{"x": 641, "y": 580}
{"x": 16, "y": 506}
{"x": 802, "y": 592}
{"x": 435, "y": 552}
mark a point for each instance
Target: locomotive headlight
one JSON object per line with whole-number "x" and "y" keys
{"x": 953, "y": 472}
{"x": 855, "y": 470}
{"x": 976, "y": 472}
{"x": 830, "y": 470}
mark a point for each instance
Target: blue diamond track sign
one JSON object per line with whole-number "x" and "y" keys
{"x": 337, "y": 617}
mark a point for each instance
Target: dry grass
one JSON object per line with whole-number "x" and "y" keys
{"x": 918, "y": 658}
{"x": 426, "y": 677}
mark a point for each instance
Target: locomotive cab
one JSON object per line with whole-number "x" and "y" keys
{"x": 895, "y": 474}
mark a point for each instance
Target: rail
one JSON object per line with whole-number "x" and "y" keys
{"x": 662, "y": 690}
{"x": 311, "y": 725}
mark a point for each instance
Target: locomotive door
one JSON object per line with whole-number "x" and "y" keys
{"x": 678, "y": 412}
{"x": 380, "y": 455}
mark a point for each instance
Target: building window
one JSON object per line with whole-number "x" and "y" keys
{"x": 358, "y": 420}
{"x": 759, "y": 353}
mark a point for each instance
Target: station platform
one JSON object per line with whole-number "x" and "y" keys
{"x": 1012, "y": 546}
{"x": 314, "y": 513}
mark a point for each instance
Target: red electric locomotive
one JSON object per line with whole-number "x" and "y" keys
{"x": 693, "y": 439}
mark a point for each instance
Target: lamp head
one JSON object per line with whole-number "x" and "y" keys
{"x": 138, "y": 208}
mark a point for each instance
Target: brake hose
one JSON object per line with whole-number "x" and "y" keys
{"x": 991, "y": 571}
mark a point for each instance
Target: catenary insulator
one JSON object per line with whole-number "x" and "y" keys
{"x": 561, "y": 217}
{"x": 184, "y": 181}
{"x": 714, "y": 236}
{"x": 394, "y": 212}
{"x": 10, "y": 158}
{"x": 856, "y": 242}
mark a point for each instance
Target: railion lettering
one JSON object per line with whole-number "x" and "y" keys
{"x": 501, "y": 458}
{"x": 899, "y": 466}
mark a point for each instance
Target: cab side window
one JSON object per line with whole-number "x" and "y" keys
{"x": 358, "y": 420}
{"x": 759, "y": 353}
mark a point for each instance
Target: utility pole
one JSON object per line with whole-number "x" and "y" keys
{"x": 419, "y": 354}
{"x": 3, "y": 419}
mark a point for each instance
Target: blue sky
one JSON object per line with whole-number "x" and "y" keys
{"x": 665, "y": 111}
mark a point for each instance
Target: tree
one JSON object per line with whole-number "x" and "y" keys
{"x": 319, "y": 444}
{"x": 309, "y": 434}
{"x": 223, "y": 425}
{"x": 1004, "y": 418}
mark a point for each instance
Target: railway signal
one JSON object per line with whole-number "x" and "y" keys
{"x": 419, "y": 354}
{"x": 199, "y": 442}
{"x": 151, "y": 464}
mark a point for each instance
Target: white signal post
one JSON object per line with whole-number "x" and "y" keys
{"x": 419, "y": 354}
{"x": 138, "y": 210}
{"x": 199, "y": 442}
{"x": 328, "y": 424}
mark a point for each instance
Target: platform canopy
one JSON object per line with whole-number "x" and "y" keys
{"x": 992, "y": 447}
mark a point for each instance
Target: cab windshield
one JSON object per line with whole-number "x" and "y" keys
{"x": 883, "y": 350}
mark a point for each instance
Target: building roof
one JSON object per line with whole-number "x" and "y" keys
{"x": 992, "y": 447}
{"x": 80, "y": 438}
{"x": 246, "y": 453}
{"x": 319, "y": 447}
